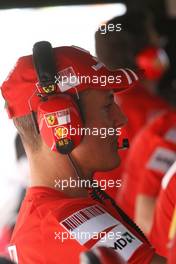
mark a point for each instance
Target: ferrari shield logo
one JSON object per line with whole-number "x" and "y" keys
{"x": 51, "y": 119}
{"x": 60, "y": 118}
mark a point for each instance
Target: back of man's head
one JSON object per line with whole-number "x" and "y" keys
{"x": 117, "y": 48}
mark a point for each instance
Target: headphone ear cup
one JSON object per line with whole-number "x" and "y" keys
{"x": 60, "y": 122}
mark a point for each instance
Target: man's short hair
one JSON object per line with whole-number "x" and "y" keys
{"x": 26, "y": 129}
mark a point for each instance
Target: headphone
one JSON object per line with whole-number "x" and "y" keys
{"x": 57, "y": 114}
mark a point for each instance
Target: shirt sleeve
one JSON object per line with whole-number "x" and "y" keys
{"x": 163, "y": 217}
{"x": 59, "y": 245}
{"x": 156, "y": 158}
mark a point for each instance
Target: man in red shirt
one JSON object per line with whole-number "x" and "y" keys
{"x": 58, "y": 219}
{"x": 172, "y": 240}
{"x": 152, "y": 153}
{"x": 164, "y": 211}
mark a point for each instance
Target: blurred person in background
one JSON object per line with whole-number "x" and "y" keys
{"x": 137, "y": 45}
{"x": 152, "y": 153}
{"x": 11, "y": 207}
{"x": 163, "y": 230}
{"x": 172, "y": 240}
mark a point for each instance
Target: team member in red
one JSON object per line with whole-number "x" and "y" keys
{"x": 172, "y": 240}
{"x": 152, "y": 153}
{"x": 135, "y": 45}
{"x": 57, "y": 222}
{"x": 164, "y": 212}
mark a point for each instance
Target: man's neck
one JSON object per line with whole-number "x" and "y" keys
{"x": 60, "y": 175}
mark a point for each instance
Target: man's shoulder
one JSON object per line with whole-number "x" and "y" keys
{"x": 41, "y": 207}
{"x": 40, "y": 204}
{"x": 40, "y": 216}
{"x": 77, "y": 223}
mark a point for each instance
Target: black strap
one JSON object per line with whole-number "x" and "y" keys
{"x": 100, "y": 195}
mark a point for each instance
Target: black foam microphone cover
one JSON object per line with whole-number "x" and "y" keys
{"x": 44, "y": 63}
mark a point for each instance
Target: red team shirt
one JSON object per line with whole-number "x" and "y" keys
{"x": 164, "y": 212}
{"x": 172, "y": 241}
{"x": 140, "y": 107}
{"x": 47, "y": 215}
{"x": 152, "y": 153}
